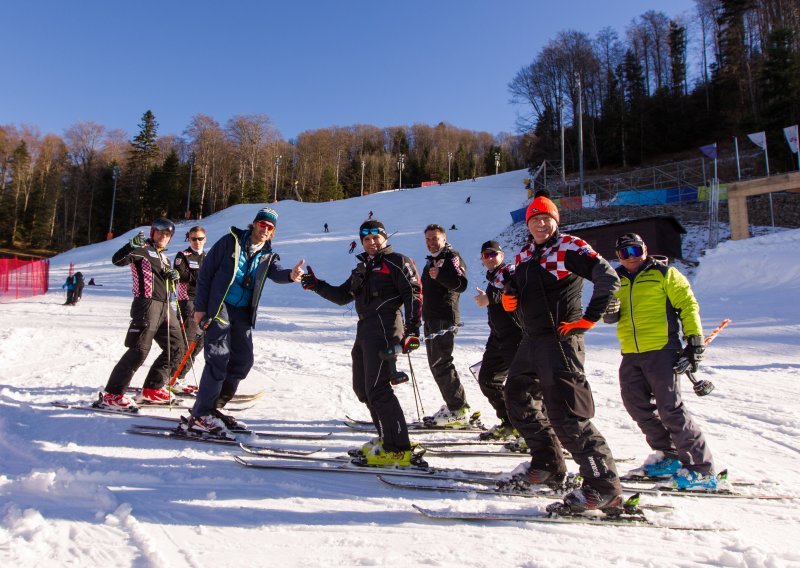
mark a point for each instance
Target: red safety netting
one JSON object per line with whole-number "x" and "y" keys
{"x": 23, "y": 278}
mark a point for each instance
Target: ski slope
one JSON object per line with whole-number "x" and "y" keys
{"x": 76, "y": 490}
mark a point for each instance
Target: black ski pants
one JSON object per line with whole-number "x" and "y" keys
{"x": 549, "y": 402}
{"x": 148, "y": 323}
{"x": 651, "y": 394}
{"x": 497, "y": 358}
{"x": 229, "y": 357}
{"x": 440, "y": 360}
{"x": 371, "y": 376}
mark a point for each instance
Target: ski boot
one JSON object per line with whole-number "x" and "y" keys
{"x": 587, "y": 498}
{"x": 690, "y": 480}
{"x": 207, "y": 425}
{"x": 524, "y": 476}
{"x": 230, "y": 422}
{"x": 116, "y": 402}
{"x": 502, "y": 431}
{"x": 156, "y": 396}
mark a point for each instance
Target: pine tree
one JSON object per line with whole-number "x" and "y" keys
{"x": 142, "y": 156}
{"x": 329, "y": 190}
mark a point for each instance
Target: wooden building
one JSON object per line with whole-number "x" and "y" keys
{"x": 662, "y": 234}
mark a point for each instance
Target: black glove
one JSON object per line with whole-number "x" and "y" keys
{"x": 695, "y": 347}
{"x": 410, "y": 340}
{"x": 171, "y": 274}
{"x": 309, "y": 280}
{"x": 139, "y": 240}
{"x": 611, "y": 315}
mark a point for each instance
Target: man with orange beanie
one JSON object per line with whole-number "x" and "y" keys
{"x": 547, "y": 396}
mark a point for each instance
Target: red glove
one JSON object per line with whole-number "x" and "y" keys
{"x": 510, "y": 301}
{"x": 575, "y": 327}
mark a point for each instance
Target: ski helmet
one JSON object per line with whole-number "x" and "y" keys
{"x": 629, "y": 239}
{"x": 162, "y": 224}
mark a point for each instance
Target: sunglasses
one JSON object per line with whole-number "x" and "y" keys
{"x": 489, "y": 254}
{"x": 372, "y": 231}
{"x": 630, "y": 251}
{"x": 264, "y": 224}
{"x": 197, "y": 238}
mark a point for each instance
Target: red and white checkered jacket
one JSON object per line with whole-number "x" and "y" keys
{"x": 548, "y": 281}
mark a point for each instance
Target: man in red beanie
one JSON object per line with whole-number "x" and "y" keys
{"x": 547, "y": 396}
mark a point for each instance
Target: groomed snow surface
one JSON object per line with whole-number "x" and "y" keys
{"x": 76, "y": 490}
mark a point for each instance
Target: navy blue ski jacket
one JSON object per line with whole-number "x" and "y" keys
{"x": 219, "y": 270}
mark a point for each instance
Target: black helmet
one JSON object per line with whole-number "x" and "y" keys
{"x": 629, "y": 239}
{"x": 162, "y": 224}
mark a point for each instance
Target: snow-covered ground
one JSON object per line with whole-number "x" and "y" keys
{"x": 76, "y": 490}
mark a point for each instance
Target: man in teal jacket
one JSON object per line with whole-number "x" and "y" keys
{"x": 229, "y": 287}
{"x": 653, "y": 299}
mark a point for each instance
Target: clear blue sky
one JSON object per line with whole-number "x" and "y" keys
{"x": 306, "y": 64}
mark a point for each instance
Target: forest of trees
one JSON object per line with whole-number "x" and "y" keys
{"x": 659, "y": 87}
{"x": 639, "y": 97}
{"x": 56, "y": 192}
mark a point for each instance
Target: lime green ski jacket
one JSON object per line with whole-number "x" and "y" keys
{"x": 652, "y": 302}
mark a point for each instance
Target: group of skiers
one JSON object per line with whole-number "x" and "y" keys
{"x": 532, "y": 368}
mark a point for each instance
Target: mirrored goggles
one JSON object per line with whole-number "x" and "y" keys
{"x": 371, "y": 231}
{"x": 630, "y": 251}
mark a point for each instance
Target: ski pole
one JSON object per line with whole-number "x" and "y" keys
{"x": 189, "y": 346}
{"x": 186, "y": 357}
{"x": 683, "y": 363}
{"x": 714, "y": 333}
{"x": 700, "y": 387}
{"x": 417, "y": 395}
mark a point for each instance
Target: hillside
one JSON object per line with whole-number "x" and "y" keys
{"x": 75, "y": 489}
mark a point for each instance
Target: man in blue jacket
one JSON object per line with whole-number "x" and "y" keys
{"x": 226, "y": 306}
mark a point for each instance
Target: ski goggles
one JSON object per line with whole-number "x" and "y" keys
{"x": 265, "y": 225}
{"x": 489, "y": 254}
{"x": 371, "y": 231}
{"x": 630, "y": 251}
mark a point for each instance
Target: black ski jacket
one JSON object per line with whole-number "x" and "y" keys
{"x": 379, "y": 285}
{"x": 148, "y": 265}
{"x": 441, "y": 295}
{"x": 188, "y": 264}
{"x": 501, "y": 323}
{"x": 548, "y": 281}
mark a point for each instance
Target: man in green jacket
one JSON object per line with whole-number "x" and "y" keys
{"x": 652, "y": 301}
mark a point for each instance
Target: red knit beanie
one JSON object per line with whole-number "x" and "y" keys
{"x": 541, "y": 204}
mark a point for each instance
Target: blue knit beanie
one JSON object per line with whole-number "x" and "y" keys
{"x": 268, "y": 215}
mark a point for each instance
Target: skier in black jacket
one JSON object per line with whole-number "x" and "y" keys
{"x": 188, "y": 263}
{"x": 382, "y": 283}
{"x": 505, "y": 334}
{"x": 152, "y": 318}
{"x": 444, "y": 278}
{"x": 547, "y": 395}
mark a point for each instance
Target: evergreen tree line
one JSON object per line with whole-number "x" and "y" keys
{"x": 56, "y": 192}
{"x": 640, "y": 98}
